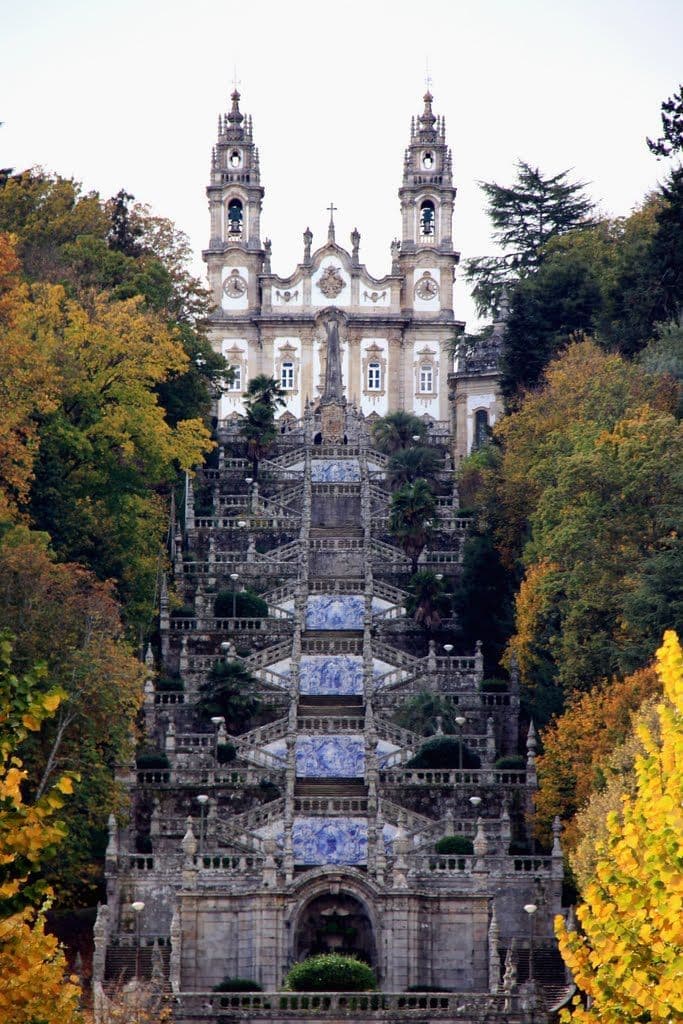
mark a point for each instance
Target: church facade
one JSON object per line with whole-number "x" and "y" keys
{"x": 397, "y": 332}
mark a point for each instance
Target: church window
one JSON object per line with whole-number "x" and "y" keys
{"x": 235, "y": 158}
{"x": 235, "y": 217}
{"x": 236, "y": 382}
{"x": 481, "y": 428}
{"x": 374, "y": 377}
{"x": 426, "y": 379}
{"x": 287, "y": 376}
{"x": 427, "y": 217}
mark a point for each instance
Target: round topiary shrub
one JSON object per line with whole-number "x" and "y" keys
{"x": 494, "y": 686}
{"x": 514, "y": 762}
{"x": 455, "y": 844}
{"x": 443, "y": 752}
{"x": 247, "y": 605}
{"x": 331, "y": 972}
{"x": 185, "y": 611}
{"x": 237, "y": 985}
{"x": 169, "y": 684}
{"x": 225, "y": 753}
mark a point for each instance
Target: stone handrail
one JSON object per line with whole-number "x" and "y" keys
{"x": 331, "y": 645}
{"x": 330, "y": 723}
{"x": 220, "y": 775}
{"x": 414, "y": 822}
{"x": 264, "y": 733}
{"x": 395, "y": 656}
{"x": 340, "y": 488}
{"x": 330, "y": 805}
{"x": 269, "y": 655}
{"x": 255, "y": 755}
{"x": 268, "y": 624}
{"x": 283, "y": 461}
{"x": 272, "y": 679}
{"x": 283, "y": 553}
{"x": 257, "y": 816}
{"x": 387, "y": 552}
{"x": 475, "y": 778}
{"x": 392, "y": 733}
{"x": 254, "y": 522}
{"x": 395, "y": 612}
{"x": 467, "y": 1007}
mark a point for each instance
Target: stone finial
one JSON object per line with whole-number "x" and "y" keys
{"x": 189, "y": 502}
{"x": 149, "y": 658}
{"x": 155, "y": 819}
{"x": 439, "y": 725}
{"x": 148, "y": 691}
{"x": 269, "y": 864}
{"x": 112, "y": 851}
{"x": 531, "y": 745}
{"x": 514, "y": 674}
{"x": 189, "y": 842}
{"x": 494, "y": 955}
{"x": 490, "y": 740}
{"x": 174, "y": 963}
{"x": 510, "y": 972}
{"x": 431, "y": 657}
{"x": 184, "y": 660}
{"x": 268, "y": 251}
{"x": 557, "y": 829}
{"x": 481, "y": 844}
{"x": 478, "y": 660}
{"x": 169, "y": 739}
{"x": 505, "y": 827}
{"x": 355, "y": 244}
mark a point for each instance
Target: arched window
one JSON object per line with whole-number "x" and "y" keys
{"x": 427, "y": 218}
{"x": 235, "y": 217}
{"x": 374, "y": 377}
{"x": 287, "y": 376}
{"x": 426, "y": 378}
{"x": 235, "y": 158}
{"x": 236, "y": 382}
{"x": 482, "y": 431}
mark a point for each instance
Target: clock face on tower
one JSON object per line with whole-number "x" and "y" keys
{"x": 426, "y": 287}
{"x": 235, "y": 285}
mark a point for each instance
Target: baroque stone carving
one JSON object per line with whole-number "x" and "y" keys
{"x": 331, "y": 283}
{"x": 374, "y": 296}
{"x": 287, "y": 296}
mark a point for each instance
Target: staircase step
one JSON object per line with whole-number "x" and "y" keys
{"x": 314, "y": 787}
{"x": 312, "y": 702}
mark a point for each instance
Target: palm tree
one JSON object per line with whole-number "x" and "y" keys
{"x": 230, "y": 691}
{"x": 428, "y": 601}
{"x": 396, "y": 431}
{"x": 264, "y": 397}
{"x": 407, "y": 464}
{"x": 413, "y": 510}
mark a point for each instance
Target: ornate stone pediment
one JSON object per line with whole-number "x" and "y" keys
{"x": 331, "y": 282}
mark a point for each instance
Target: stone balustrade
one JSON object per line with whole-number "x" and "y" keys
{"x": 267, "y": 624}
{"x": 470, "y": 778}
{"x": 466, "y": 1008}
{"x": 331, "y": 805}
{"x": 255, "y": 523}
{"x": 329, "y": 723}
{"x": 218, "y": 776}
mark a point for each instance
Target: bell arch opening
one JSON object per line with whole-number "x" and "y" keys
{"x": 335, "y": 924}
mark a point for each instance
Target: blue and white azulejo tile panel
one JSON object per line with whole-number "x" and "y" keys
{"x": 335, "y": 611}
{"x": 328, "y": 840}
{"x": 330, "y": 756}
{"x": 336, "y": 674}
{"x": 334, "y": 471}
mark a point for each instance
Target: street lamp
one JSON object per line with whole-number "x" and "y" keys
{"x": 202, "y": 800}
{"x": 438, "y": 577}
{"x": 138, "y": 906}
{"x": 234, "y": 576}
{"x": 226, "y": 647}
{"x": 475, "y": 801}
{"x": 448, "y": 648}
{"x": 416, "y": 437}
{"x": 460, "y": 721}
{"x": 530, "y": 909}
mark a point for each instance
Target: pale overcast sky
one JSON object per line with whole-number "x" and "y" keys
{"x": 126, "y": 94}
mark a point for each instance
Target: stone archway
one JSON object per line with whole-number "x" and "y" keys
{"x": 335, "y": 923}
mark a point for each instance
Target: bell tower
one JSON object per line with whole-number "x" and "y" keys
{"x": 235, "y": 255}
{"x": 427, "y": 191}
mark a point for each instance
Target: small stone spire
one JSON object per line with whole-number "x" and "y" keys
{"x": 308, "y": 239}
{"x": 234, "y": 131}
{"x": 494, "y": 955}
{"x": 427, "y": 120}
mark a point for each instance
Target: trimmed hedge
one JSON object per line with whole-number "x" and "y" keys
{"x": 494, "y": 686}
{"x": 512, "y": 762}
{"x": 247, "y": 605}
{"x": 331, "y": 972}
{"x": 147, "y": 758}
{"x": 455, "y": 844}
{"x": 443, "y": 752}
{"x": 237, "y": 985}
{"x": 169, "y": 684}
{"x": 225, "y": 753}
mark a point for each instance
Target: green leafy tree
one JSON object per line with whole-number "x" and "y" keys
{"x": 411, "y": 518}
{"x": 524, "y": 216}
{"x": 422, "y": 712}
{"x": 396, "y": 431}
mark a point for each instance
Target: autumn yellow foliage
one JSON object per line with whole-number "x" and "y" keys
{"x": 628, "y": 957}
